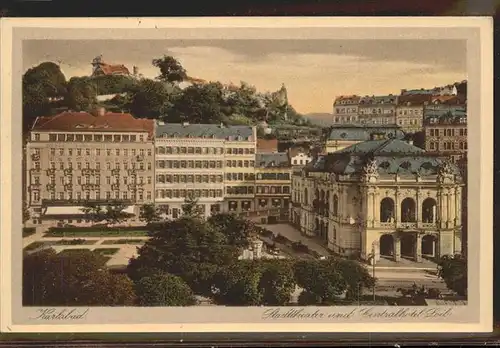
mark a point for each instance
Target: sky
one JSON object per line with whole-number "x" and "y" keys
{"x": 313, "y": 71}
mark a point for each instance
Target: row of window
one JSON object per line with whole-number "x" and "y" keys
{"x": 301, "y": 161}
{"x": 345, "y": 110}
{"x": 96, "y": 180}
{"x": 448, "y": 132}
{"x": 188, "y": 193}
{"x": 239, "y": 190}
{"x": 96, "y": 152}
{"x": 117, "y": 138}
{"x": 89, "y": 195}
{"x": 376, "y": 112}
{"x": 96, "y": 165}
{"x": 273, "y": 189}
{"x": 188, "y": 164}
{"x": 410, "y": 122}
{"x": 190, "y": 150}
{"x": 447, "y": 145}
{"x": 169, "y": 179}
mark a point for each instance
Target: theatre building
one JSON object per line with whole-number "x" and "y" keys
{"x": 75, "y": 158}
{"x": 385, "y": 198}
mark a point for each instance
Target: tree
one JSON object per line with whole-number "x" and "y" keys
{"x": 187, "y": 247}
{"x": 453, "y": 270}
{"x": 190, "y": 208}
{"x": 115, "y": 213}
{"x": 26, "y": 212}
{"x": 355, "y": 275}
{"x": 111, "y": 213}
{"x": 237, "y": 230}
{"x": 198, "y": 104}
{"x": 149, "y": 213}
{"x": 164, "y": 290}
{"x": 82, "y": 94}
{"x": 319, "y": 278}
{"x": 41, "y": 84}
{"x": 93, "y": 212}
{"x": 277, "y": 282}
{"x": 151, "y": 99}
{"x": 171, "y": 69}
{"x": 76, "y": 278}
{"x": 239, "y": 284}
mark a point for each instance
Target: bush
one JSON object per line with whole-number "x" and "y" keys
{"x": 74, "y": 242}
{"x": 100, "y": 228}
{"x": 28, "y": 231}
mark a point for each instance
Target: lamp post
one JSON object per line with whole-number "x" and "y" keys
{"x": 371, "y": 257}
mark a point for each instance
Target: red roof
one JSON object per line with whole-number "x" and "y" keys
{"x": 267, "y": 145}
{"x": 414, "y": 99}
{"x": 108, "y": 69}
{"x": 447, "y": 99}
{"x": 83, "y": 121}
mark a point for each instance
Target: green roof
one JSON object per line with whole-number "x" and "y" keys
{"x": 187, "y": 130}
{"x": 272, "y": 159}
{"x": 364, "y": 132}
{"x": 392, "y": 156}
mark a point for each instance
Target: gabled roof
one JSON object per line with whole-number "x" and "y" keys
{"x": 109, "y": 69}
{"x": 70, "y": 121}
{"x": 187, "y": 130}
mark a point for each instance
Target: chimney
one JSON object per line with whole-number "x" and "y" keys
{"x": 99, "y": 111}
{"x": 136, "y": 71}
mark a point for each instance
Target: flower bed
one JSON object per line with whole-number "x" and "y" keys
{"x": 78, "y": 241}
{"x": 95, "y": 232}
{"x": 123, "y": 241}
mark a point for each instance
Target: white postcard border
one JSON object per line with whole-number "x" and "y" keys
{"x": 480, "y": 89}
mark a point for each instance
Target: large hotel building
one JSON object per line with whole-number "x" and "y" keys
{"x": 212, "y": 163}
{"x": 78, "y": 157}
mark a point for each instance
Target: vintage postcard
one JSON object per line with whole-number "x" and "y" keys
{"x": 246, "y": 175}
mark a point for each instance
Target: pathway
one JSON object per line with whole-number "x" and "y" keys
{"x": 295, "y": 236}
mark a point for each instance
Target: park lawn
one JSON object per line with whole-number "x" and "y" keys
{"x": 106, "y": 251}
{"x": 71, "y": 251}
{"x": 123, "y": 241}
{"x": 104, "y": 233}
{"x": 36, "y": 245}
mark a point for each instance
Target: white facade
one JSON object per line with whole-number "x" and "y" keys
{"x": 391, "y": 216}
{"x": 300, "y": 159}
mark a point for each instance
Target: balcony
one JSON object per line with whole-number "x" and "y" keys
{"x": 132, "y": 172}
{"x": 428, "y": 225}
{"x": 51, "y": 171}
{"x": 51, "y": 187}
{"x": 115, "y": 187}
{"x": 140, "y": 158}
{"x": 88, "y": 187}
{"x": 115, "y": 171}
{"x": 132, "y": 186}
{"x": 35, "y": 186}
{"x": 35, "y": 157}
{"x": 68, "y": 187}
{"x": 406, "y": 225}
{"x": 68, "y": 171}
{"x": 35, "y": 171}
